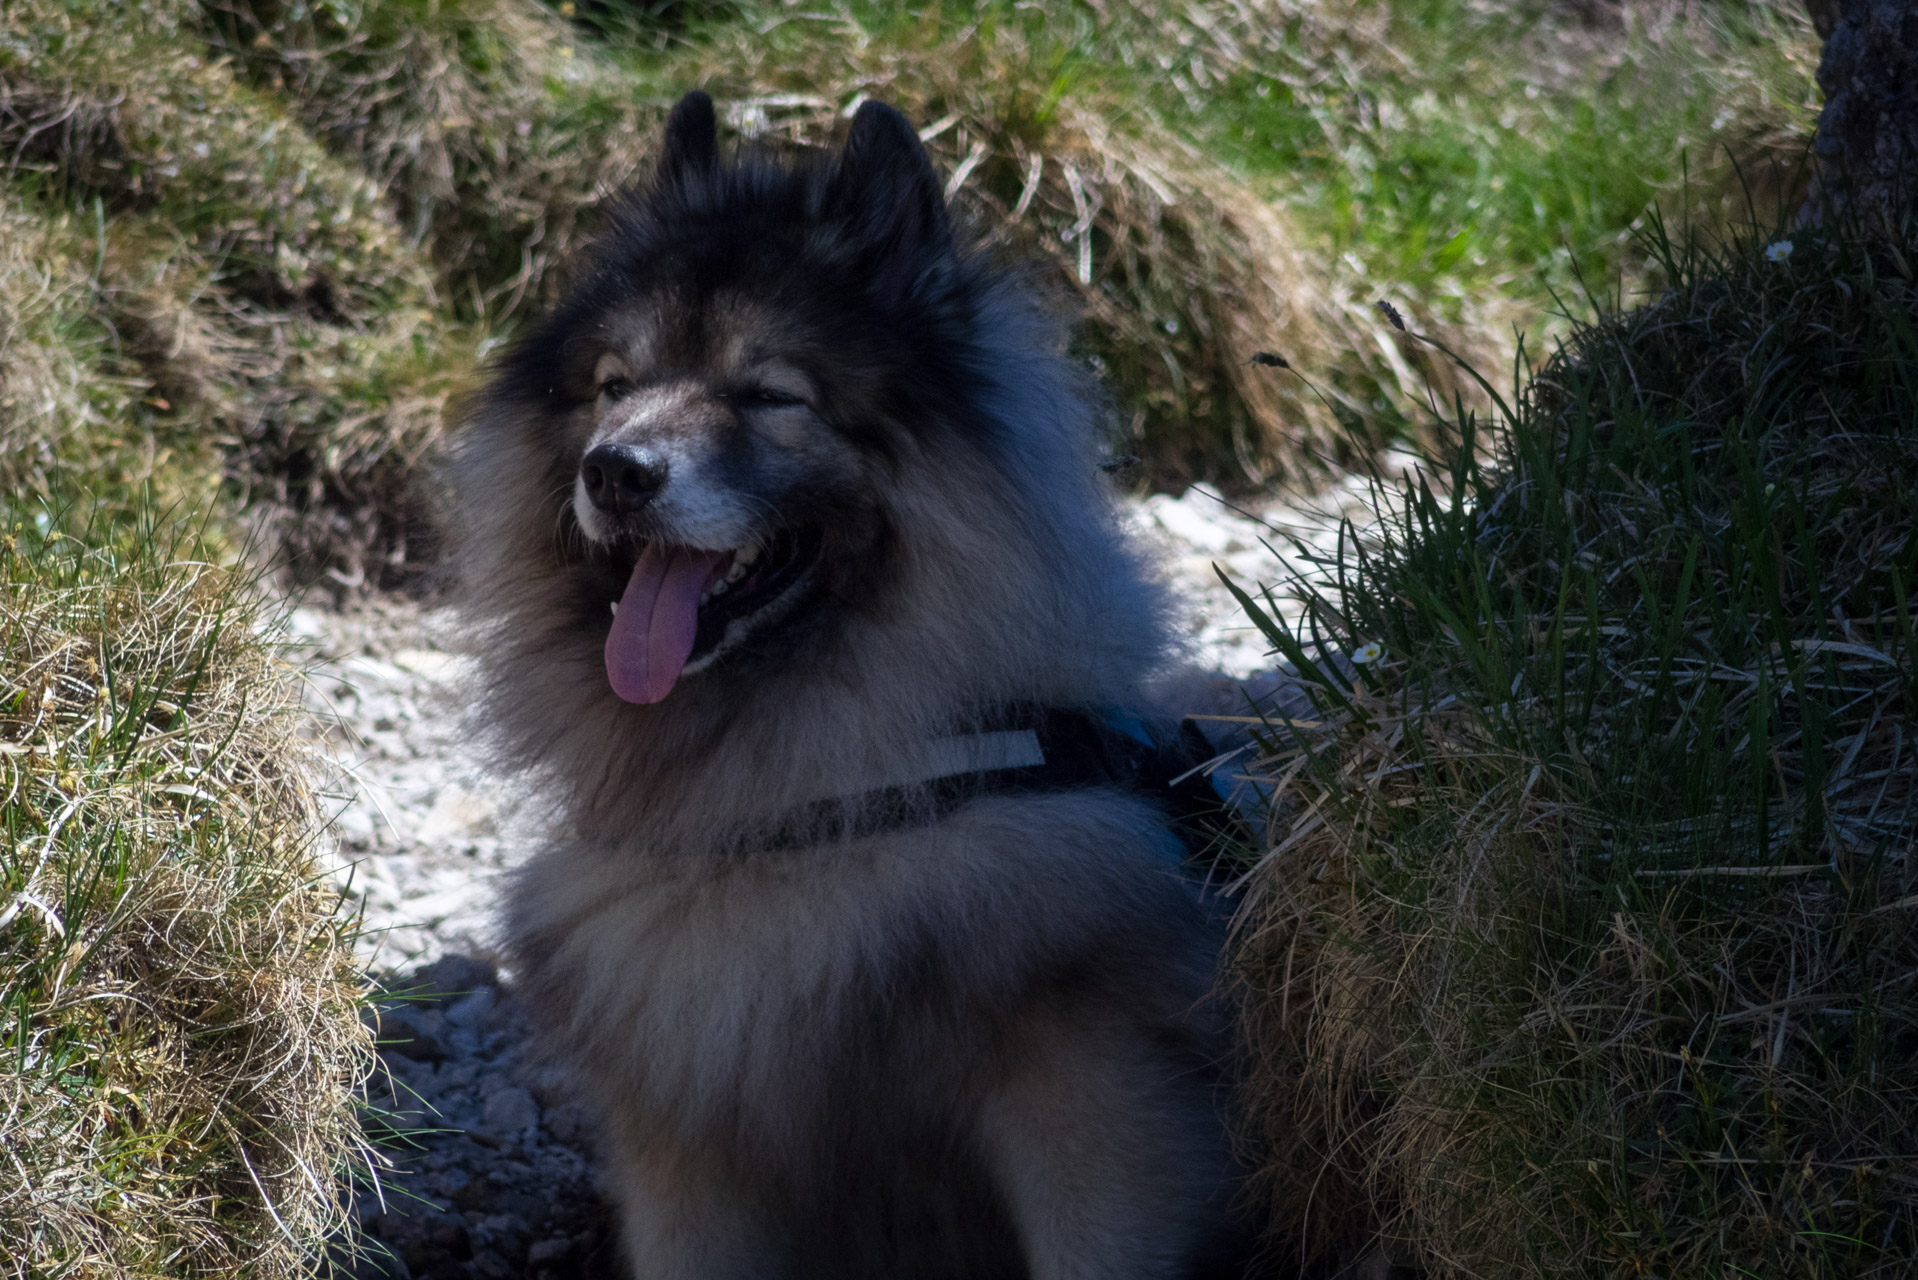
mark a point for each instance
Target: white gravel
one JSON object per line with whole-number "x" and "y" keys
{"x": 424, "y": 835}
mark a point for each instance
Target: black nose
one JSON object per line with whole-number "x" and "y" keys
{"x": 621, "y": 479}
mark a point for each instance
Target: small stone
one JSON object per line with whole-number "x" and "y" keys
{"x": 508, "y": 1109}
{"x": 490, "y": 1266}
{"x": 472, "y": 1011}
{"x": 452, "y": 976}
{"x": 475, "y": 1197}
{"x": 384, "y": 1225}
{"x": 531, "y": 1210}
{"x": 548, "y": 1253}
{"x": 376, "y": 1262}
{"x": 410, "y": 1032}
{"x": 507, "y": 1231}
{"x": 459, "y": 1074}
{"x": 451, "y": 1236}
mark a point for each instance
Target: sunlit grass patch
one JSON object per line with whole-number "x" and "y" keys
{"x": 180, "y": 1049}
{"x": 1451, "y": 147}
{"x": 500, "y": 129}
{"x": 244, "y": 298}
{"x": 1585, "y": 942}
{"x": 495, "y": 129}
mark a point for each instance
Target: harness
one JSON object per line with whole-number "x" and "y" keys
{"x": 1037, "y": 750}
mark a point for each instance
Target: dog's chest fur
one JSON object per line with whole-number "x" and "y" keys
{"x": 724, "y": 999}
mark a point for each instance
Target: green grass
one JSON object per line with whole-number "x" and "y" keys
{"x": 196, "y": 301}
{"x": 180, "y": 1046}
{"x": 1585, "y": 944}
{"x": 308, "y": 208}
{"x": 1450, "y": 148}
{"x": 1497, "y": 143}
{"x": 237, "y": 303}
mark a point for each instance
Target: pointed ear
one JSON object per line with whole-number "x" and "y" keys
{"x": 692, "y": 140}
{"x": 886, "y": 188}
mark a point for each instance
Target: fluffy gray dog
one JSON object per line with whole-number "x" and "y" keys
{"x": 803, "y": 598}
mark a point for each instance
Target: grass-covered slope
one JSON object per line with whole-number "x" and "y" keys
{"x": 191, "y": 288}
{"x": 180, "y": 1050}
{"x": 1587, "y": 941}
{"x": 224, "y": 292}
{"x": 314, "y": 215}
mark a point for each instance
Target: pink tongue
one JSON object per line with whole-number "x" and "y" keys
{"x": 657, "y": 619}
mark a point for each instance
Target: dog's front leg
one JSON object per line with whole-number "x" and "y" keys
{"x": 1113, "y": 1163}
{"x": 682, "y": 1221}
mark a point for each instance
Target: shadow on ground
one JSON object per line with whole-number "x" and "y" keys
{"x": 491, "y": 1173}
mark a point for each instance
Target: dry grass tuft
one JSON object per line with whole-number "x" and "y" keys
{"x": 1585, "y": 942}
{"x": 45, "y": 407}
{"x": 247, "y": 293}
{"x": 182, "y": 1048}
{"x": 494, "y": 131}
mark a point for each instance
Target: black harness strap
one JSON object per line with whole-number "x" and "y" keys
{"x": 1080, "y": 750}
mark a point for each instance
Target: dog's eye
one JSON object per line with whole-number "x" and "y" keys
{"x": 763, "y": 398}
{"x": 616, "y": 388}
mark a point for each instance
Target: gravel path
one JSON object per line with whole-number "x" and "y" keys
{"x": 492, "y": 1172}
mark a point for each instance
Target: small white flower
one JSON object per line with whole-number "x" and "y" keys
{"x": 1778, "y": 252}
{"x": 1770, "y": 489}
{"x": 1369, "y": 652}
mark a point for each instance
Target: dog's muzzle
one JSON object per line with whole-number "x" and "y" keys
{"x": 621, "y": 479}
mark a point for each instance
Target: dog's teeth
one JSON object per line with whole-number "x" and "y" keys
{"x": 615, "y": 605}
{"x": 735, "y": 573}
{"x": 745, "y": 556}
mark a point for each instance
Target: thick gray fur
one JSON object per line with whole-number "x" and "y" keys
{"x": 982, "y": 1047}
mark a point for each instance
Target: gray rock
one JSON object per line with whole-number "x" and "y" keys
{"x": 472, "y": 1011}
{"x": 454, "y": 977}
{"x": 490, "y": 1266}
{"x": 508, "y": 1108}
{"x": 568, "y": 1123}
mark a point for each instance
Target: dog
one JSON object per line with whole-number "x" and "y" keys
{"x": 800, "y": 592}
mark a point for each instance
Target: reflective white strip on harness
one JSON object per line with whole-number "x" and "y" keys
{"x": 967, "y": 753}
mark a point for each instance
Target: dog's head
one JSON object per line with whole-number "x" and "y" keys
{"x": 753, "y": 345}
{"x": 786, "y": 437}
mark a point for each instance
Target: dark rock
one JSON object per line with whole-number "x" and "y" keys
{"x": 528, "y": 1208}
{"x": 452, "y": 977}
{"x": 473, "y": 1010}
{"x": 550, "y": 1252}
{"x": 476, "y": 1196}
{"x": 519, "y": 1196}
{"x": 1867, "y": 141}
{"x": 490, "y": 1266}
{"x": 568, "y": 1123}
{"x": 410, "y": 1032}
{"x": 451, "y": 1236}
